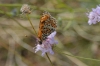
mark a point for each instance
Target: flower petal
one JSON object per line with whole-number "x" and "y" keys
{"x": 47, "y": 44}
{"x": 94, "y": 16}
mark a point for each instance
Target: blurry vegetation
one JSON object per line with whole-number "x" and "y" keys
{"x": 75, "y": 36}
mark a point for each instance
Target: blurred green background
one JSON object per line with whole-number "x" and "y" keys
{"x": 74, "y": 35}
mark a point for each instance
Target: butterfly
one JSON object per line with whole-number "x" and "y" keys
{"x": 46, "y": 27}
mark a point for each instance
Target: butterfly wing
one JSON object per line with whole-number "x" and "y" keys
{"x": 47, "y": 26}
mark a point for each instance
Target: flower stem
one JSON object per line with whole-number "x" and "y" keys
{"x": 49, "y": 59}
{"x": 31, "y": 24}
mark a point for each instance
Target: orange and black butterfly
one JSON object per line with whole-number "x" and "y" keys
{"x": 46, "y": 27}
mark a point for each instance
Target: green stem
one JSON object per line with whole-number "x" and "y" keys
{"x": 64, "y": 52}
{"x": 49, "y": 59}
{"x": 31, "y": 24}
{"x": 10, "y": 5}
{"x": 82, "y": 57}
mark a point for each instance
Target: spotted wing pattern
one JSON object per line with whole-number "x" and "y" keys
{"x": 47, "y": 26}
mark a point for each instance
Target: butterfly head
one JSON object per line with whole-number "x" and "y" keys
{"x": 40, "y": 42}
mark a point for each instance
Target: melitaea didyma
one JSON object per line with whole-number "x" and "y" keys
{"x": 46, "y": 27}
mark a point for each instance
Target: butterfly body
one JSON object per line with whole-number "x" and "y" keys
{"x": 46, "y": 27}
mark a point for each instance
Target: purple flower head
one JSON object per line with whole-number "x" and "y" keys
{"x": 94, "y": 16}
{"x": 47, "y": 44}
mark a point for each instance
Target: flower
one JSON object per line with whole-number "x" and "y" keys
{"x": 25, "y": 9}
{"x": 94, "y": 16}
{"x": 47, "y": 44}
